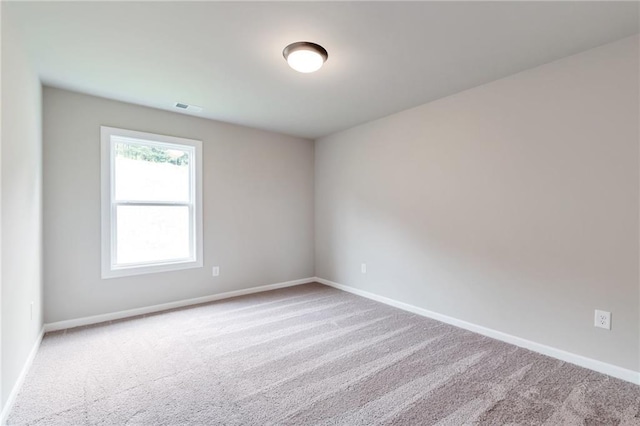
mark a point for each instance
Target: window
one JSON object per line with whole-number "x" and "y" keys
{"x": 151, "y": 203}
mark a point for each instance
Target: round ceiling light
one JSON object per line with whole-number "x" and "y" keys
{"x": 304, "y": 56}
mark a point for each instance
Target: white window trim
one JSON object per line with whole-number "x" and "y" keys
{"x": 108, "y": 230}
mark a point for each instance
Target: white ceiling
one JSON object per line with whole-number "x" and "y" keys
{"x": 227, "y": 57}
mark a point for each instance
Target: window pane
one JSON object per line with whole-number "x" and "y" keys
{"x": 147, "y": 173}
{"x": 152, "y": 233}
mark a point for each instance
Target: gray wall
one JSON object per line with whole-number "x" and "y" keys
{"x": 513, "y": 205}
{"x": 21, "y": 165}
{"x": 258, "y": 208}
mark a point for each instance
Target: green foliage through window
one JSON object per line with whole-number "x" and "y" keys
{"x": 151, "y": 154}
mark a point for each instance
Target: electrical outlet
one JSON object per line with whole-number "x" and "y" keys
{"x": 215, "y": 271}
{"x": 363, "y": 268}
{"x": 603, "y": 319}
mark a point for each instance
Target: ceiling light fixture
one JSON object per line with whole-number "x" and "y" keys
{"x": 304, "y": 56}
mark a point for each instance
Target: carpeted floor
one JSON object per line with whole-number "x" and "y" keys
{"x": 306, "y": 355}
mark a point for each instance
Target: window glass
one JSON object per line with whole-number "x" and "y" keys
{"x": 152, "y": 234}
{"x": 151, "y": 173}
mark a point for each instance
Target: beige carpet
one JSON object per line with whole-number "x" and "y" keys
{"x": 301, "y": 356}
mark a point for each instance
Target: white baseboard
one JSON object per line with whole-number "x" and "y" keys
{"x": 96, "y": 319}
{"x": 61, "y": 325}
{"x": 592, "y": 364}
{"x": 4, "y": 414}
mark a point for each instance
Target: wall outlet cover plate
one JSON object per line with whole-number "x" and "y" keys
{"x": 603, "y": 319}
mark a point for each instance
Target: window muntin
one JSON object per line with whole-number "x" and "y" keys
{"x": 152, "y": 203}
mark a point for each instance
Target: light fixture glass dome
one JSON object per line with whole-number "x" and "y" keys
{"x": 304, "y": 56}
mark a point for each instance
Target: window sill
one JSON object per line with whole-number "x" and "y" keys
{"x": 150, "y": 269}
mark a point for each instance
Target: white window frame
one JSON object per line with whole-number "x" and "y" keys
{"x": 109, "y": 268}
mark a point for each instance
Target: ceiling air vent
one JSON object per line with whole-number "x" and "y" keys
{"x": 188, "y": 107}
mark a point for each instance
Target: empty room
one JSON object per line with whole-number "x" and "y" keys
{"x": 320, "y": 213}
